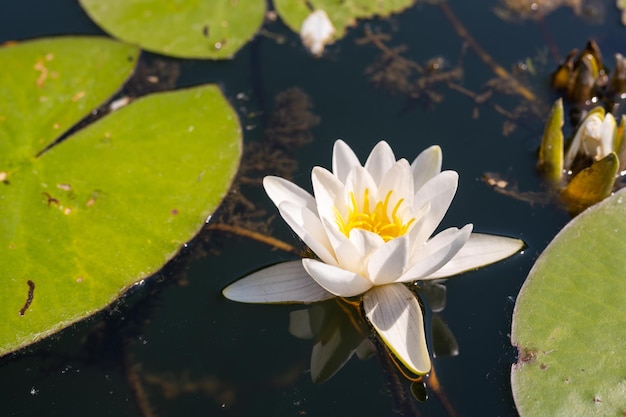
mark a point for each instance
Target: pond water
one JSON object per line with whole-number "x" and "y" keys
{"x": 173, "y": 346}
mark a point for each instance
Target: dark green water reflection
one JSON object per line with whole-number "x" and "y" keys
{"x": 197, "y": 354}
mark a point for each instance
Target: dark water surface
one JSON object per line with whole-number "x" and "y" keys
{"x": 176, "y": 344}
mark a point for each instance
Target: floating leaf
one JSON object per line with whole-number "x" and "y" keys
{"x": 343, "y": 14}
{"x": 111, "y": 203}
{"x": 214, "y": 29}
{"x": 569, "y": 322}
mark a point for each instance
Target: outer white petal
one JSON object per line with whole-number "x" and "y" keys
{"x": 426, "y": 166}
{"x": 397, "y": 317}
{"x": 279, "y": 190}
{"x": 435, "y": 253}
{"x": 389, "y": 262}
{"x": 286, "y": 282}
{"x": 328, "y": 189}
{"x": 336, "y": 280}
{"x": 344, "y": 160}
{"x": 438, "y": 193}
{"x": 479, "y": 250}
{"x": 308, "y": 227}
{"x": 380, "y": 160}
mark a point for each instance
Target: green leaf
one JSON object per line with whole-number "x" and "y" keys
{"x": 214, "y": 29}
{"x": 109, "y": 205}
{"x": 343, "y": 14}
{"x": 569, "y": 321}
{"x": 551, "y": 150}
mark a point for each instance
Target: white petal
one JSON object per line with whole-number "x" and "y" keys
{"x": 308, "y": 227}
{"x": 279, "y": 190}
{"x": 609, "y": 131}
{"x": 286, "y": 282}
{"x": 438, "y": 192}
{"x": 388, "y": 262}
{"x": 397, "y": 317}
{"x": 380, "y": 160}
{"x": 399, "y": 180}
{"x": 327, "y": 189}
{"x": 365, "y": 242}
{"x": 426, "y": 166}
{"x": 435, "y": 253}
{"x": 353, "y": 253}
{"x": 336, "y": 280}
{"x": 479, "y": 250}
{"x": 357, "y": 181}
{"x": 344, "y": 160}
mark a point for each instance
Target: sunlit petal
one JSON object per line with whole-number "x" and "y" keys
{"x": 327, "y": 189}
{"x": 344, "y": 160}
{"x": 435, "y": 253}
{"x": 397, "y": 317}
{"x": 357, "y": 181}
{"x": 279, "y": 190}
{"x": 380, "y": 160}
{"x": 479, "y": 250}
{"x": 389, "y": 261}
{"x": 286, "y": 282}
{"x": 399, "y": 181}
{"x": 308, "y": 227}
{"x": 336, "y": 280}
{"x": 438, "y": 192}
{"x": 426, "y": 166}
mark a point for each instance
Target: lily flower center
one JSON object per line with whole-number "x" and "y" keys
{"x": 381, "y": 220}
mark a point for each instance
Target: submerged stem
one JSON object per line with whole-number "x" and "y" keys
{"x": 268, "y": 240}
{"x": 487, "y": 59}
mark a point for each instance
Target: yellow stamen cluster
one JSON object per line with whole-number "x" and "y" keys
{"x": 380, "y": 221}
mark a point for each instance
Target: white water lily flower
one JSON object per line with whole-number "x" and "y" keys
{"x": 316, "y": 32}
{"x": 370, "y": 226}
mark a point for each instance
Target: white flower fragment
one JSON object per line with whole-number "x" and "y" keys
{"x": 371, "y": 228}
{"x": 316, "y": 32}
{"x": 595, "y": 137}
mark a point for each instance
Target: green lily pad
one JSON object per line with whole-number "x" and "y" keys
{"x": 343, "y": 14}
{"x": 569, "y": 322}
{"x": 106, "y": 207}
{"x": 214, "y": 29}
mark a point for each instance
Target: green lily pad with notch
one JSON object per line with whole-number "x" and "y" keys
{"x": 110, "y": 204}
{"x": 569, "y": 322}
{"x": 342, "y": 14}
{"x": 204, "y": 29}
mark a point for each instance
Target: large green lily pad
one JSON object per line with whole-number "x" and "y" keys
{"x": 109, "y": 205}
{"x": 569, "y": 321}
{"x": 342, "y": 14}
{"x": 214, "y": 29}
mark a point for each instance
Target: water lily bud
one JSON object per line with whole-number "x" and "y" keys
{"x": 597, "y": 135}
{"x": 316, "y": 32}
